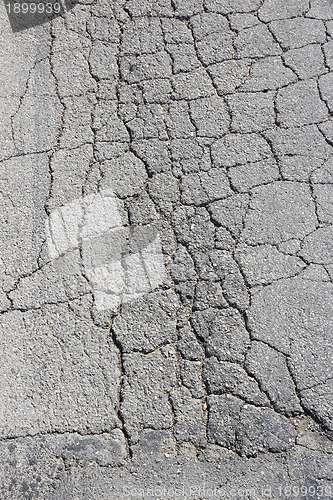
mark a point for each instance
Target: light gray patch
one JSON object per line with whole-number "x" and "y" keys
{"x": 251, "y": 112}
{"x": 71, "y": 357}
{"x": 264, "y": 264}
{"x": 273, "y": 219}
{"x": 229, "y": 378}
{"x": 300, "y": 104}
{"x": 268, "y": 74}
{"x": 317, "y": 246}
{"x": 249, "y": 430}
{"x": 279, "y": 9}
{"x": 252, "y": 174}
{"x": 307, "y": 62}
{"x": 298, "y": 32}
{"x": 256, "y": 41}
{"x": 238, "y": 149}
{"x": 269, "y": 367}
{"x": 148, "y": 323}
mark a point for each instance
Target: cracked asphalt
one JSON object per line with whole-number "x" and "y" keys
{"x": 166, "y": 251}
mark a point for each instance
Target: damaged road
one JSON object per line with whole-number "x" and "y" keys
{"x": 166, "y": 257}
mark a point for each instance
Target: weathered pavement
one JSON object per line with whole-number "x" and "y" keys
{"x": 166, "y": 251}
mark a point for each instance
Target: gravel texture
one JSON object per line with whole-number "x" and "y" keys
{"x": 166, "y": 256}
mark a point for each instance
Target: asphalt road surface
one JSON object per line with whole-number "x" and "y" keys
{"x": 166, "y": 251}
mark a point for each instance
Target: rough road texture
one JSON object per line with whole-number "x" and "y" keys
{"x": 210, "y": 121}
